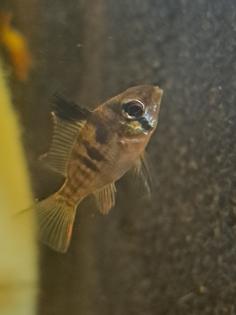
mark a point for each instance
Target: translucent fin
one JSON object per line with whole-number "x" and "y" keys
{"x": 63, "y": 138}
{"x": 105, "y": 198}
{"x": 68, "y": 119}
{"x": 56, "y": 220}
{"x": 142, "y": 169}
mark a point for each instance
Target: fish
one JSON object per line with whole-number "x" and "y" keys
{"x": 16, "y": 46}
{"x": 93, "y": 149}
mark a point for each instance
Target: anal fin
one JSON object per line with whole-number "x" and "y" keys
{"x": 105, "y": 198}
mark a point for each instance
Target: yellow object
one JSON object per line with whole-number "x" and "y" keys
{"x": 16, "y": 46}
{"x": 18, "y": 272}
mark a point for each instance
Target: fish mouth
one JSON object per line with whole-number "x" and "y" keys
{"x": 147, "y": 123}
{"x": 149, "y": 120}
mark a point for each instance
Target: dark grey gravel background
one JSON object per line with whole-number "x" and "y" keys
{"x": 177, "y": 253}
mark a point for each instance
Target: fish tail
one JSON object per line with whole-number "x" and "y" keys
{"x": 56, "y": 218}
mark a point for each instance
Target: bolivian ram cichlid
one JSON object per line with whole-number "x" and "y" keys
{"x": 92, "y": 150}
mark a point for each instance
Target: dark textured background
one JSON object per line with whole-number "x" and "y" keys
{"x": 177, "y": 253}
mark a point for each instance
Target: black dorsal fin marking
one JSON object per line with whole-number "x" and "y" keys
{"x": 68, "y": 110}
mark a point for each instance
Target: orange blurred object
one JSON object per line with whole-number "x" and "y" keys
{"x": 16, "y": 46}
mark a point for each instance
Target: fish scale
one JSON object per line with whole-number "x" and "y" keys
{"x": 80, "y": 177}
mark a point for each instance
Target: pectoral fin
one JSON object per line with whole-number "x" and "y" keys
{"x": 105, "y": 198}
{"x": 142, "y": 169}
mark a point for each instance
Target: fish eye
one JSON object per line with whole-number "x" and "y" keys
{"x": 133, "y": 109}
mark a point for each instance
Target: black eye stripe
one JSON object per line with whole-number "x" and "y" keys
{"x": 145, "y": 123}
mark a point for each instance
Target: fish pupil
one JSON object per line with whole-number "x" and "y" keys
{"x": 133, "y": 109}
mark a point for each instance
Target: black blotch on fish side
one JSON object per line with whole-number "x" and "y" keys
{"x": 68, "y": 110}
{"x": 93, "y": 153}
{"x": 101, "y": 130}
{"x": 101, "y": 133}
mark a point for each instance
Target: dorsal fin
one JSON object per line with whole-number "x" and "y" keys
{"x": 68, "y": 120}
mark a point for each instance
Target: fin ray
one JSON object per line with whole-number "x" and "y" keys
{"x": 105, "y": 198}
{"x": 68, "y": 120}
{"x": 56, "y": 219}
{"x": 142, "y": 169}
{"x": 59, "y": 153}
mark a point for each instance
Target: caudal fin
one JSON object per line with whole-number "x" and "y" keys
{"x": 55, "y": 219}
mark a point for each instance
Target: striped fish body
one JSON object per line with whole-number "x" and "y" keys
{"x": 93, "y": 164}
{"x": 92, "y": 150}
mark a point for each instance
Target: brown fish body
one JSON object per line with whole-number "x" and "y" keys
{"x": 109, "y": 142}
{"x": 94, "y": 165}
